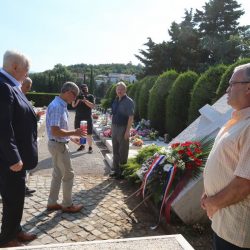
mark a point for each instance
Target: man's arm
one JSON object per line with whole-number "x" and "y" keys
{"x": 88, "y": 103}
{"x": 237, "y": 190}
{"x": 8, "y": 147}
{"x": 129, "y": 125}
{"x": 58, "y": 132}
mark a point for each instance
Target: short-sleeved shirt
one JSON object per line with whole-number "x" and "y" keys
{"x": 121, "y": 110}
{"x": 57, "y": 115}
{"x": 82, "y": 110}
{"x": 230, "y": 157}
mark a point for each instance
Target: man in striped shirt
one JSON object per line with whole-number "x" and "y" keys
{"x": 227, "y": 172}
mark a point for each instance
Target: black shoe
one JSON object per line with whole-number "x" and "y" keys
{"x": 82, "y": 147}
{"x": 90, "y": 150}
{"x": 29, "y": 191}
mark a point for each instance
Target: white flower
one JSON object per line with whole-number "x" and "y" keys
{"x": 167, "y": 167}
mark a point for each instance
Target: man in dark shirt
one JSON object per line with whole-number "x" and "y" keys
{"x": 122, "y": 119}
{"x": 84, "y": 104}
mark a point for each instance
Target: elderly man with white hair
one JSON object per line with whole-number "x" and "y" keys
{"x": 18, "y": 147}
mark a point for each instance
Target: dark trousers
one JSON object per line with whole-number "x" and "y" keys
{"x": 12, "y": 189}
{"x": 220, "y": 244}
{"x": 120, "y": 147}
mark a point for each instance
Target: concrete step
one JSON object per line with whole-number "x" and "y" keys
{"x": 168, "y": 242}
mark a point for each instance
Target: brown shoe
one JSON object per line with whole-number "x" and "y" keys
{"x": 12, "y": 243}
{"x": 72, "y": 209}
{"x": 54, "y": 207}
{"x": 23, "y": 236}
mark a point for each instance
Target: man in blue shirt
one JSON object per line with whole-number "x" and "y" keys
{"x": 122, "y": 119}
{"x": 59, "y": 136}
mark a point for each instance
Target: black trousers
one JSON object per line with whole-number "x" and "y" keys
{"x": 12, "y": 189}
{"x": 220, "y": 244}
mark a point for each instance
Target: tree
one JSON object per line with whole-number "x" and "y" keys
{"x": 154, "y": 58}
{"x": 183, "y": 48}
{"x": 221, "y": 36}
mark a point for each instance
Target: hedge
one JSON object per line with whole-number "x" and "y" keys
{"x": 144, "y": 96}
{"x": 204, "y": 90}
{"x": 157, "y": 99}
{"x": 41, "y": 99}
{"x": 221, "y": 90}
{"x": 177, "y": 103}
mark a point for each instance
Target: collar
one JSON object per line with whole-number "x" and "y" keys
{"x": 123, "y": 97}
{"x": 241, "y": 114}
{"x": 10, "y": 77}
{"x": 61, "y": 101}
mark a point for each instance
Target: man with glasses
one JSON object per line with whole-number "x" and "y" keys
{"x": 59, "y": 135}
{"x": 227, "y": 172}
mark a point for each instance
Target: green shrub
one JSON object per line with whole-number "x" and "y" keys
{"x": 221, "y": 90}
{"x": 132, "y": 90}
{"x": 108, "y": 91}
{"x": 136, "y": 98}
{"x": 149, "y": 81}
{"x": 157, "y": 99}
{"x": 177, "y": 103}
{"x": 41, "y": 99}
{"x": 204, "y": 90}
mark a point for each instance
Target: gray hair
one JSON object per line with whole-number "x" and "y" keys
{"x": 121, "y": 84}
{"x": 27, "y": 80}
{"x": 11, "y": 56}
{"x": 245, "y": 71}
{"x": 70, "y": 86}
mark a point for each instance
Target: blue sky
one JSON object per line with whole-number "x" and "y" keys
{"x": 89, "y": 31}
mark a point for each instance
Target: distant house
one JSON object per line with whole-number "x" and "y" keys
{"x": 114, "y": 78}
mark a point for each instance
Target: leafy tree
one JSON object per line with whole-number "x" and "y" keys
{"x": 184, "y": 45}
{"x": 204, "y": 90}
{"x": 221, "y": 36}
{"x": 157, "y": 99}
{"x": 154, "y": 58}
{"x": 177, "y": 103}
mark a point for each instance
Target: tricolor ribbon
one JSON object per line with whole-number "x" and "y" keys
{"x": 169, "y": 180}
{"x": 155, "y": 163}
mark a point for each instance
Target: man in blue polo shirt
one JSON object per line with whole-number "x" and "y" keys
{"x": 122, "y": 119}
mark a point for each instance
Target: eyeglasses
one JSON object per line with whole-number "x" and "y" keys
{"x": 233, "y": 83}
{"x": 239, "y": 82}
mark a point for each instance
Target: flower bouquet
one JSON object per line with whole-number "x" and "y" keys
{"x": 168, "y": 171}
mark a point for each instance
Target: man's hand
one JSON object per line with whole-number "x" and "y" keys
{"x": 76, "y": 140}
{"x": 208, "y": 205}
{"x": 79, "y": 132}
{"x": 17, "y": 167}
{"x": 40, "y": 113}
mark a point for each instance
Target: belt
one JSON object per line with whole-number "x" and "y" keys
{"x": 63, "y": 142}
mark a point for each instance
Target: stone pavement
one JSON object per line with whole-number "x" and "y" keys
{"x": 106, "y": 211}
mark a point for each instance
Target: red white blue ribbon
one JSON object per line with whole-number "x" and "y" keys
{"x": 169, "y": 180}
{"x": 155, "y": 163}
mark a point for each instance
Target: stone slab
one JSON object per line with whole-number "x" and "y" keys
{"x": 168, "y": 242}
{"x": 187, "y": 204}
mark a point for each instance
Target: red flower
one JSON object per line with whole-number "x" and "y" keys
{"x": 181, "y": 152}
{"x": 175, "y": 145}
{"x": 198, "y": 162}
{"x": 189, "y": 165}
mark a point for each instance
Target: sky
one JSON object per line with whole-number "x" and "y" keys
{"x": 89, "y": 31}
